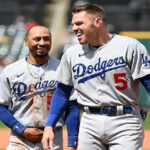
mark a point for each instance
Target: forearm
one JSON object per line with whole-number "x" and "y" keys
{"x": 72, "y": 123}
{"x": 9, "y": 120}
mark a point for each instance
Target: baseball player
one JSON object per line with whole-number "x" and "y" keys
{"x": 25, "y": 96}
{"x": 106, "y": 70}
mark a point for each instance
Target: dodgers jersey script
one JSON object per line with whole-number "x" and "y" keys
{"x": 110, "y": 69}
{"x": 29, "y": 88}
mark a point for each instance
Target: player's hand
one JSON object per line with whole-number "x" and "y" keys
{"x": 48, "y": 138}
{"x": 33, "y": 134}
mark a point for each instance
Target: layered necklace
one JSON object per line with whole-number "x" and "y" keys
{"x": 33, "y": 73}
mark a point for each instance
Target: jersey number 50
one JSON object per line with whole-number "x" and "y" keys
{"x": 121, "y": 83}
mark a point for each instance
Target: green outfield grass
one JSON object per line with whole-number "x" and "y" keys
{"x": 147, "y": 121}
{"x": 2, "y": 125}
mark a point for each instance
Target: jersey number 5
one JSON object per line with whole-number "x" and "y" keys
{"x": 121, "y": 83}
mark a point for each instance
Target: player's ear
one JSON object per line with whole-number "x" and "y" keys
{"x": 26, "y": 42}
{"x": 98, "y": 21}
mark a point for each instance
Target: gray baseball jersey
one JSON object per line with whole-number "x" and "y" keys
{"x": 26, "y": 94}
{"x": 106, "y": 76}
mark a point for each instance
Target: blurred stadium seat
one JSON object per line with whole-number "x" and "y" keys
{"x": 122, "y": 14}
{"x": 14, "y": 14}
{"x": 11, "y": 44}
{"x": 17, "y": 16}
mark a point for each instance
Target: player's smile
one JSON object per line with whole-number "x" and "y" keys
{"x": 79, "y": 35}
{"x": 42, "y": 50}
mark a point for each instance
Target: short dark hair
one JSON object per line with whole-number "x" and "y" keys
{"x": 28, "y": 31}
{"x": 91, "y": 8}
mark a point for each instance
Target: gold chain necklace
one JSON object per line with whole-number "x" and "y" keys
{"x": 32, "y": 72}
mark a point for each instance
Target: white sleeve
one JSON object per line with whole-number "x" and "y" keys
{"x": 140, "y": 61}
{"x": 64, "y": 73}
{"x": 5, "y": 91}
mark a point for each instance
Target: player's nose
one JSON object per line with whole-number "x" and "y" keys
{"x": 41, "y": 42}
{"x": 74, "y": 28}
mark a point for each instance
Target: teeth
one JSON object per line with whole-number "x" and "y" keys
{"x": 79, "y": 34}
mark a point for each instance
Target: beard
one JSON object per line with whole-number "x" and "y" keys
{"x": 41, "y": 56}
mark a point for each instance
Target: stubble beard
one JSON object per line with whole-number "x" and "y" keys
{"x": 41, "y": 56}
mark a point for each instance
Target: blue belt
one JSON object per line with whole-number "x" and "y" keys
{"x": 109, "y": 110}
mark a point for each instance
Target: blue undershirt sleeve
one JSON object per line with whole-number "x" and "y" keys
{"x": 72, "y": 123}
{"x": 146, "y": 83}
{"x": 9, "y": 120}
{"x": 59, "y": 103}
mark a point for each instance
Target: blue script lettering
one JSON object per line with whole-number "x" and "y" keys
{"x": 98, "y": 69}
{"x": 40, "y": 88}
{"x": 19, "y": 88}
{"x": 145, "y": 60}
{"x": 79, "y": 69}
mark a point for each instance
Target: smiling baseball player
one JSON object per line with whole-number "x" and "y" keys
{"x": 25, "y": 96}
{"x": 106, "y": 70}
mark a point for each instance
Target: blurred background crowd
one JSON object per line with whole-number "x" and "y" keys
{"x": 17, "y": 16}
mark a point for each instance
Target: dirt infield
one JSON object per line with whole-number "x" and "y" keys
{"x": 4, "y": 135}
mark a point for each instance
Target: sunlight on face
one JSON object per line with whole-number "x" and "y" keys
{"x": 84, "y": 27}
